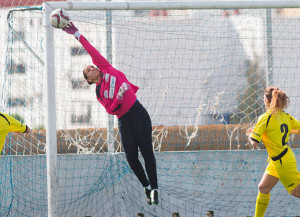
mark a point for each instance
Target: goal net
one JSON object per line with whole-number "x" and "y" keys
{"x": 201, "y": 73}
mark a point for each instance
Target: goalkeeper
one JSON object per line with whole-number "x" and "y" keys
{"x": 9, "y": 124}
{"x": 118, "y": 97}
{"x": 273, "y": 128}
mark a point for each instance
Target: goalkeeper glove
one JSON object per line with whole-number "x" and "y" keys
{"x": 71, "y": 29}
{"x": 124, "y": 87}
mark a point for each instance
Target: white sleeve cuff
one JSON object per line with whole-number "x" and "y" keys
{"x": 77, "y": 35}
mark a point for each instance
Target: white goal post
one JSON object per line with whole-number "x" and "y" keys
{"x": 48, "y": 7}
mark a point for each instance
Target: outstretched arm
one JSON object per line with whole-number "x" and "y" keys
{"x": 16, "y": 126}
{"x": 97, "y": 58}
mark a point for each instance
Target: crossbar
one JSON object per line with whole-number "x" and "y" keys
{"x": 173, "y": 5}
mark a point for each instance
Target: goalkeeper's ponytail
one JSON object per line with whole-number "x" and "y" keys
{"x": 277, "y": 100}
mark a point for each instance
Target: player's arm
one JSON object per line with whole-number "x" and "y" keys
{"x": 252, "y": 142}
{"x": 295, "y": 125}
{"x": 255, "y": 134}
{"x": 97, "y": 58}
{"x": 16, "y": 126}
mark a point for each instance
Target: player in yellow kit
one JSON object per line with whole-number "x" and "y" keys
{"x": 9, "y": 124}
{"x": 273, "y": 128}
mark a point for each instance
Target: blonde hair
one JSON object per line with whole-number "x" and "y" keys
{"x": 277, "y": 100}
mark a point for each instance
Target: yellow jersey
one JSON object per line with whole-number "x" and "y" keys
{"x": 9, "y": 124}
{"x": 274, "y": 131}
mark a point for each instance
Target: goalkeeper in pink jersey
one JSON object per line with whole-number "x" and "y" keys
{"x": 117, "y": 95}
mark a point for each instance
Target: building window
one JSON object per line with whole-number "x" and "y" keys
{"x": 75, "y": 51}
{"x": 15, "y": 102}
{"x": 16, "y": 68}
{"x": 83, "y": 117}
{"x": 79, "y": 84}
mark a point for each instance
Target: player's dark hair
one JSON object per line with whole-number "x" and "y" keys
{"x": 84, "y": 75}
{"x": 277, "y": 100}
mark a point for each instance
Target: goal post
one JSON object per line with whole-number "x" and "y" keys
{"x": 51, "y": 136}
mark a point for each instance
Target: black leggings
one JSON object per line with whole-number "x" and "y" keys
{"x": 136, "y": 132}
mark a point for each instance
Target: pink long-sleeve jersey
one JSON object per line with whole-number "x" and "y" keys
{"x": 109, "y": 84}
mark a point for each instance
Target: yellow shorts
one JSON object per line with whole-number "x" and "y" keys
{"x": 287, "y": 173}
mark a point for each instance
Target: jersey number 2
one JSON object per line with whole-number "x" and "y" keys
{"x": 284, "y": 129}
